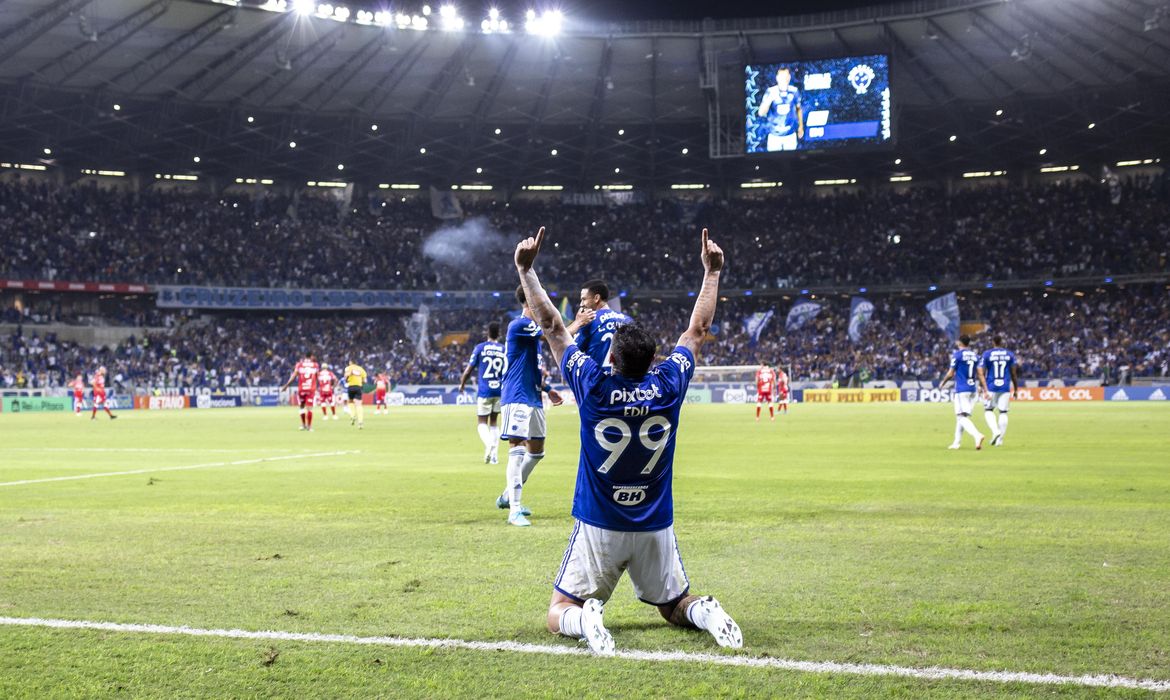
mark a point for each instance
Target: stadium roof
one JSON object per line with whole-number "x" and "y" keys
{"x": 234, "y": 85}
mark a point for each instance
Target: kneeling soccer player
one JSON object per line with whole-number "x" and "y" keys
{"x": 623, "y": 502}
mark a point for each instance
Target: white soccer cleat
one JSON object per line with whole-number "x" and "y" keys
{"x": 953, "y": 446}
{"x": 487, "y": 455}
{"x": 495, "y": 456}
{"x": 599, "y": 639}
{"x": 979, "y": 442}
{"x": 720, "y": 625}
{"x": 997, "y": 440}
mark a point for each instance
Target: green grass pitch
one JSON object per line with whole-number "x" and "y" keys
{"x": 839, "y": 533}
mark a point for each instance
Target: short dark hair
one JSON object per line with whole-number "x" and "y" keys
{"x": 633, "y": 350}
{"x": 998, "y": 340}
{"x": 965, "y": 339}
{"x": 598, "y": 287}
{"x": 494, "y": 330}
{"x": 520, "y": 296}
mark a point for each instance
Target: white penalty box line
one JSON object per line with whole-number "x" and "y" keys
{"x": 186, "y": 467}
{"x": 822, "y": 667}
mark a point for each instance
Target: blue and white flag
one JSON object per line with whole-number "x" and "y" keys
{"x": 802, "y": 312}
{"x": 754, "y": 324}
{"x": 860, "y": 311}
{"x": 945, "y": 312}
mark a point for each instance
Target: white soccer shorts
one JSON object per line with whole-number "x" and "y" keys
{"x": 487, "y": 405}
{"x": 782, "y": 143}
{"x": 595, "y": 559}
{"x": 523, "y": 422}
{"x": 1000, "y": 400}
{"x": 964, "y": 402}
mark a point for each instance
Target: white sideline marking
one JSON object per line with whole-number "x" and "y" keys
{"x": 143, "y": 449}
{"x": 931, "y": 673}
{"x": 177, "y": 469}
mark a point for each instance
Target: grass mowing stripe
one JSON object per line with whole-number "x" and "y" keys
{"x": 180, "y": 468}
{"x": 823, "y": 667}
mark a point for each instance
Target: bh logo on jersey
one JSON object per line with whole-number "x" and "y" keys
{"x": 861, "y": 77}
{"x": 629, "y": 495}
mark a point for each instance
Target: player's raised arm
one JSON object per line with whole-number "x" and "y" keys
{"x": 542, "y": 307}
{"x": 704, "y": 312}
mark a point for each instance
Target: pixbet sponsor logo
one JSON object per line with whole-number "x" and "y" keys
{"x": 635, "y": 394}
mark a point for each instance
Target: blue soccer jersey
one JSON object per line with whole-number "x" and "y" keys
{"x": 782, "y": 115}
{"x": 488, "y": 361}
{"x": 521, "y": 364}
{"x": 628, "y": 431}
{"x": 997, "y": 364}
{"x": 964, "y": 362}
{"x": 596, "y": 338}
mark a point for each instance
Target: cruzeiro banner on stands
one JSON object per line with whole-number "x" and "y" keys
{"x": 177, "y": 297}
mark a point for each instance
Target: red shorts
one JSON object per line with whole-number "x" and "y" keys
{"x": 762, "y": 396}
{"x": 305, "y": 397}
{"x": 782, "y": 397}
{"x": 379, "y": 398}
{"x": 327, "y": 399}
{"x": 99, "y": 398}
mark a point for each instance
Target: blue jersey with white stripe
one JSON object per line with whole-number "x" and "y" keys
{"x": 596, "y": 338}
{"x": 488, "y": 361}
{"x": 997, "y": 364}
{"x": 521, "y": 365}
{"x": 628, "y": 433}
{"x": 964, "y": 362}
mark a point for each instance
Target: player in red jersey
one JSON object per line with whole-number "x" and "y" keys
{"x": 765, "y": 385}
{"x": 782, "y": 389}
{"x": 305, "y": 375}
{"x": 99, "y": 394}
{"x": 326, "y": 380}
{"x": 381, "y": 386}
{"x": 78, "y": 387}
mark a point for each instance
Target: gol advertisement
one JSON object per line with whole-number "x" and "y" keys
{"x": 852, "y": 395}
{"x": 1060, "y": 393}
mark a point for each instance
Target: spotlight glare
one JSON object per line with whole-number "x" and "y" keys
{"x": 479, "y": 171}
{"x": 999, "y": 112}
{"x": 953, "y": 138}
{"x": 497, "y": 132}
{"x": 304, "y": 7}
{"x": 1043, "y": 151}
{"x": 373, "y": 127}
{"x": 1092, "y": 125}
{"x": 686, "y": 151}
{"x": 340, "y": 166}
{"x": 423, "y": 150}
{"x": 251, "y": 119}
{"x": 553, "y": 151}
{"x": 292, "y": 144}
{"x": 196, "y": 159}
{"x": 48, "y": 151}
{"x": 897, "y": 161}
{"x": 117, "y": 108}
{"x": 494, "y": 13}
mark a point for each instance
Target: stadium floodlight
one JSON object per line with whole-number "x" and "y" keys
{"x": 47, "y": 151}
{"x": 382, "y": 18}
{"x": 423, "y": 150}
{"x": 341, "y": 166}
{"x": 688, "y": 186}
{"x": 953, "y": 138}
{"x": 1092, "y": 125}
{"x": 341, "y": 13}
{"x": 999, "y": 112}
{"x": 403, "y": 20}
{"x": 618, "y": 188}
{"x": 479, "y": 171}
{"x": 419, "y": 23}
{"x": 901, "y": 178}
{"x": 835, "y": 181}
{"x": 1060, "y": 168}
{"x": 196, "y": 159}
{"x": 251, "y": 119}
{"x": 686, "y": 151}
{"x": 450, "y": 19}
{"x": 1043, "y": 151}
{"x": 426, "y": 10}
{"x": 497, "y": 132}
{"x": 117, "y": 107}
{"x": 621, "y": 132}
{"x": 548, "y": 23}
{"x": 544, "y": 188}
{"x": 324, "y": 10}
{"x": 292, "y": 144}
{"x": 759, "y": 185}
{"x": 373, "y": 127}
{"x": 304, "y": 7}
{"x": 897, "y": 161}
{"x": 933, "y": 288}
{"x": 553, "y": 152}
{"x": 616, "y": 171}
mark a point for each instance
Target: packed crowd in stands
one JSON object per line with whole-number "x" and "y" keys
{"x": 83, "y": 233}
{"x": 1108, "y": 334}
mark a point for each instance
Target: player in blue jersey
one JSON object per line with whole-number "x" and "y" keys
{"x": 487, "y": 360}
{"x": 596, "y": 337}
{"x": 999, "y": 379}
{"x": 781, "y": 106}
{"x": 523, "y": 406}
{"x": 623, "y": 504}
{"x": 963, "y": 363}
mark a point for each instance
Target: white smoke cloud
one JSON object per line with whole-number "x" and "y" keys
{"x": 471, "y": 242}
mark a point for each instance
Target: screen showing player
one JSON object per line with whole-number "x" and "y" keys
{"x": 822, "y": 104}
